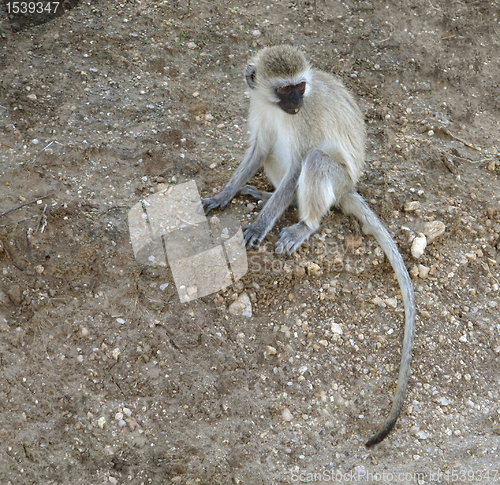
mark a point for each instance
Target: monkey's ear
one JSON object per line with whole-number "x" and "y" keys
{"x": 250, "y": 75}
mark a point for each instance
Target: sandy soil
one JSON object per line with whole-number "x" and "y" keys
{"x": 105, "y": 377}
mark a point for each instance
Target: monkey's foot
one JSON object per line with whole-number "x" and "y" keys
{"x": 292, "y": 237}
{"x": 254, "y": 234}
{"x": 256, "y": 193}
{"x": 220, "y": 200}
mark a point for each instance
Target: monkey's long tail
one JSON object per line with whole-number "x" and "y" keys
{"x": 353, "y": 203}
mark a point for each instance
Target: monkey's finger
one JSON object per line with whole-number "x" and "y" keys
{"x": 282, "y": 246}
{"x": 209, "y": 204}
{"x": 253, "y": 237}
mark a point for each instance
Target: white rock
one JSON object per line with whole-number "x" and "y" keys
{"x": 423, "y": 271}
{"x": 379, "y": 302}
{"x": 411, "y": 206}
{"x": 242, "y": 307}
{"x": 444, "y": 401}
{"x": 101, "y": 422}
{"x": 337, "y": 329}
{"x": 418, "y": 246}
{"x": 432, "y": 230}
{"x": 286, "y": 415}
{"x": 392, "y": 302}
{"x": 423, "y": 435}
{"x": 313, "y": 269}
{"x": 270, "y": 351}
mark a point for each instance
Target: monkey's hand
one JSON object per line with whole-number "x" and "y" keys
{"x": 254, "y": 234}
{"x": 220, "y": 200}
{"x": 292, "y": 237}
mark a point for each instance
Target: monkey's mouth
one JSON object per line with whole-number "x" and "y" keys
{"x": 292, "y": 111}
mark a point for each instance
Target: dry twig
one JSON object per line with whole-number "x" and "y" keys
{"x": 467, "y": 144}
{"x": 28, "y": 249}
{"x": 26, "y": 203}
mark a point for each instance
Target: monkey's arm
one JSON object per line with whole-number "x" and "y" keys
{"x": 251, "y": 162}
{"x": 277, "y": 203}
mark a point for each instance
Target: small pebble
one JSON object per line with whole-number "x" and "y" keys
{"x": 313, "y": 270}
{"x": 122, "y": 423}
{"x": 423, "y": 271}
{"x": 412, "y": 206}
{"x": 131, "y": 423}
{"x": 418, "y": 246}
{"x": 242, "y": 307}
{"x": 286, "y": 415}
{"x": 120, "y": 321}
{"x": 432, "y": 230}
{"x": 269, "y": 351}
{"x": 118, "y": 416}
{"x": 115, "y": 353}
{"x": 127, "y": 412}
{"x": 392, "y": 302}
{"x": 101, "y": 422}
{"x": 84, "y": 332}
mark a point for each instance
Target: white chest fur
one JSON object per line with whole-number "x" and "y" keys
{"x": 276, "y": 137}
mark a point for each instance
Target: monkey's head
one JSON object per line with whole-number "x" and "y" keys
{"x": 281, "y": 73}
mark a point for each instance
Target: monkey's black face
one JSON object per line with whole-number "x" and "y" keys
{"x": 290, "y": 97}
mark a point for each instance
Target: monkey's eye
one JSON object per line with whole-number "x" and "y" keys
{"x": 285, "y": 88}
{"x": 300, "y": 84}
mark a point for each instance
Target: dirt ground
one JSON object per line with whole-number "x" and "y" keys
{"x": 105, "y": 377}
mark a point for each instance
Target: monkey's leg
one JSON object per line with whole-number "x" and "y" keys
{"x": 255, "y": 193}
{"x": 277, "y": 203}
{"x": 322, "y": 182}
{"x": 251, "y": 162}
